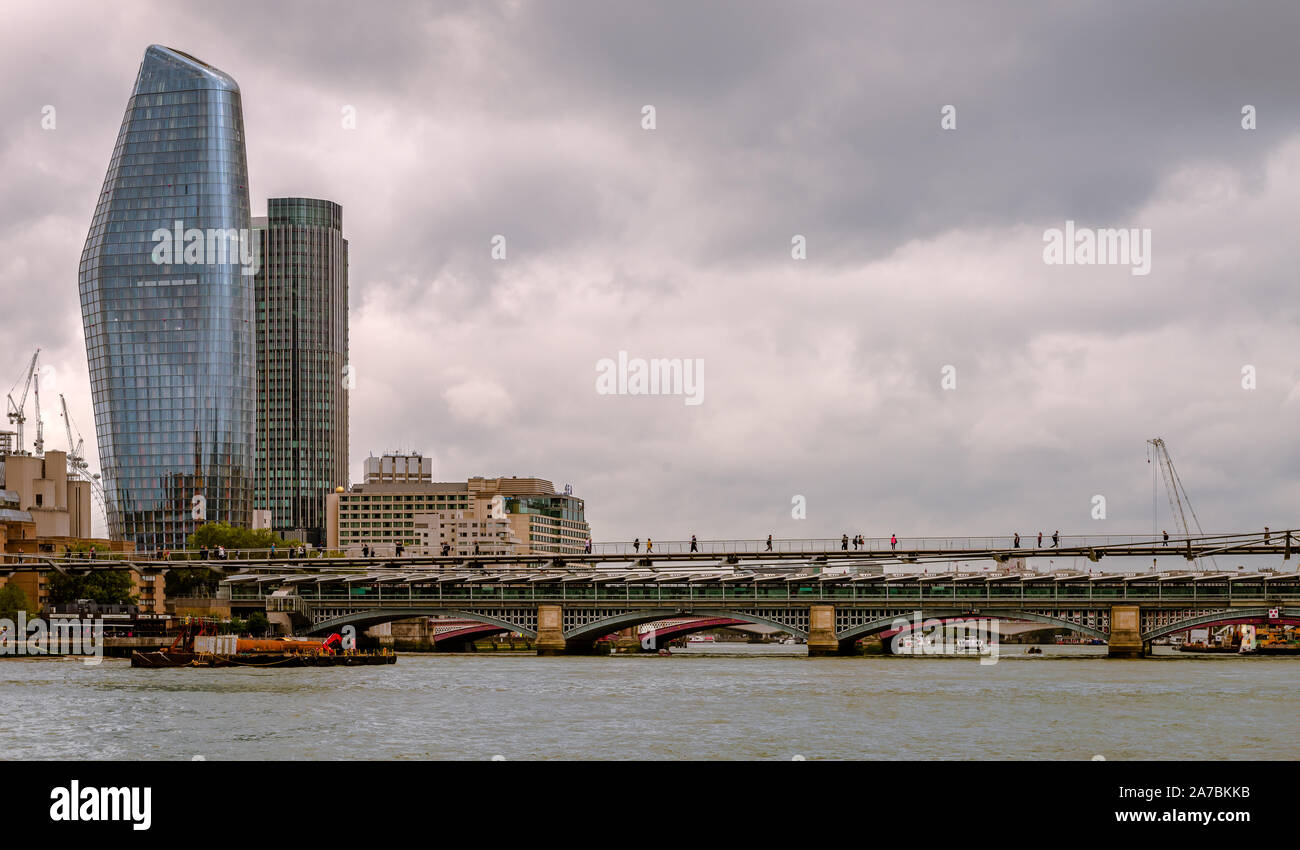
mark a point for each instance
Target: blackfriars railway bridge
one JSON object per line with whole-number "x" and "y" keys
{"x": 567, "y": 604}
{"x": 830, "y": 596}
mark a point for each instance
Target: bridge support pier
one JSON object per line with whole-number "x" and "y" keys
{"x": 550, "y": 630}
{"x": 1126, "y": 632}
{"x": 821, "y": 632}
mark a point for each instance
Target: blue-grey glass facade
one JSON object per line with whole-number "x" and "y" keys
{"x": 302, "y": 353}
{"x": 170, "y": 338}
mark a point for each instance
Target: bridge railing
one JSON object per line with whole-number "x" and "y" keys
{"x": 815, "y": 545}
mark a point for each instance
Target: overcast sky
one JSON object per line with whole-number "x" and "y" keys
{"x": 822, "y": 376}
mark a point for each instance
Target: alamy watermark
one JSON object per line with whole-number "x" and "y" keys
{"x": 977, "y": 636}
{"x": 213, "y": 246}
{"x": 38, "y": 637}
{"x": 1083, "y": 246}
{"x": 657, "y": 376}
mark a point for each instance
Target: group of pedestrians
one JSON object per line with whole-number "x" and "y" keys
{"x": 859, "y": 541}
{"x": 1056, "y": 539}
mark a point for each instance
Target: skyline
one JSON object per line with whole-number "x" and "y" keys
{"x": 823, "y": 375}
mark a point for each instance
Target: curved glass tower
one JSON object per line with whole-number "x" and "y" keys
{"x": 167, "y": 293}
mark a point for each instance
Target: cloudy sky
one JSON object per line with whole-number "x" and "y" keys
{"x": 823, "y": 376}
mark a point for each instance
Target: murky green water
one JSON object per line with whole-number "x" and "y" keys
{"x": 728, "y": 702}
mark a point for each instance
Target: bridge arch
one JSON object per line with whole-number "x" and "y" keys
{"x": 597, "y": 629}
{"x": 1255, "y": 616}
{"x": 376, "y": 616}
{"x": 676, "y": 631}
{"x": 885, "y": 624}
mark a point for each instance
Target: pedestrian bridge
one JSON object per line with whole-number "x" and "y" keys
{"x": 567, "y": 611}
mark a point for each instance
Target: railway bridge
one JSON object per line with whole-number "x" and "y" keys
{"x": 831, "y": 592}
{"x": 569, "y": 611}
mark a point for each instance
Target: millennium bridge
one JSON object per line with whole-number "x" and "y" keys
{"x": 829, "y": 595}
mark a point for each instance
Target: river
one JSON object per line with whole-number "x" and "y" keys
{"x": 730, "y": 701}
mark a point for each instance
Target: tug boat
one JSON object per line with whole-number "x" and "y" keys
{"x": 194, "y": 647}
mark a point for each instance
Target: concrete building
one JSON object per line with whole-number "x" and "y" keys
{"x": 520, "y": 515}
{"x": 302, "y": 358}
{"x": 44, "y": 511}
{"x": 392, "y": 468}
{"x": 58, "y": 506}
{"x": 464, "y": 533}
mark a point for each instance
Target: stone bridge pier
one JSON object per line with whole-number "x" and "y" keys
{"x": 1126, "y": 632}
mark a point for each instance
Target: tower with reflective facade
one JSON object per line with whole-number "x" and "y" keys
{"x": 302, "y": 354}
{"x": 170, "y": 333}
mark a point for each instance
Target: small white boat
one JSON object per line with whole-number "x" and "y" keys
{"x": 702, "y": 639}
{"x": 971, "y": 646}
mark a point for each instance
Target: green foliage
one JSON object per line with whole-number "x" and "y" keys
{"x": 107, "y": 587}
{"x": 214, "y": 534}
{"x": 258, "y": 625}
{"x": 13, "y": 600}
{"x": 199, "y": 581}
{"x": 236, "y": 626}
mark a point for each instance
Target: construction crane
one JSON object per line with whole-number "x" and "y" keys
{"x": 77, "y": 466}
{"x": 38, "y": 445}
{"x": 15, "y": 411}
{"x": 1180, "y": 505}
{"x": 76, "y": 456}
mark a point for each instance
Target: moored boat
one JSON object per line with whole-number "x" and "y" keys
{"x": 194, "y": 648}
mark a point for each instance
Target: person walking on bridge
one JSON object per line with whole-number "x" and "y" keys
{"x": 893, "y": 542}
{"x": 649, "y": 545}
{"x": 769, "y": 543}
{"x": 1016, "y": 544}
{"x": 1040, "y": 540}
{"x": 1056, "y": 537}
{"x": 1166, "y": 534}
{"x": 844, "y": 542}
{"x": 636, "y": 545}
{"x": 694, "y": 547}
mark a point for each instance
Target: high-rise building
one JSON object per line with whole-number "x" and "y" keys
{"x": 302, "y": 355}
{"x": 167, "y": 305}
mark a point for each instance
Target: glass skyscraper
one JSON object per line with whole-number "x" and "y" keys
{"x": 170, "y": 333}
{"x": 302, "y": 354}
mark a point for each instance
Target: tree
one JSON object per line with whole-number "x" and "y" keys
{"x": 13, "y": 600}
{"x": 107, "y": 587}
{"x": 258, "y": 624}
{"x": 199, "y": 581}
{"x": 214, "y": 534}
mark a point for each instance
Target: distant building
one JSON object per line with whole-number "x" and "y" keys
{"x": 40, "y": 490}
{"x": 302, "y": 355}
{"x": 44, "y": 511}
{"x": 502, "y": 515}
{"x": 393, "y": 468}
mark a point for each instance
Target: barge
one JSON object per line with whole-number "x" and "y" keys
{"x": 193, "y": 647}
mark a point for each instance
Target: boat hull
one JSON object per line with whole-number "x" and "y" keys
{"x": 176, "y": 658}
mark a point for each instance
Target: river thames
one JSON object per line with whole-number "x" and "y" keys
{"x": 727, "y": 702}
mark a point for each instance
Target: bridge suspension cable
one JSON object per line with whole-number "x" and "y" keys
{"x": 1180, "y": 504}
